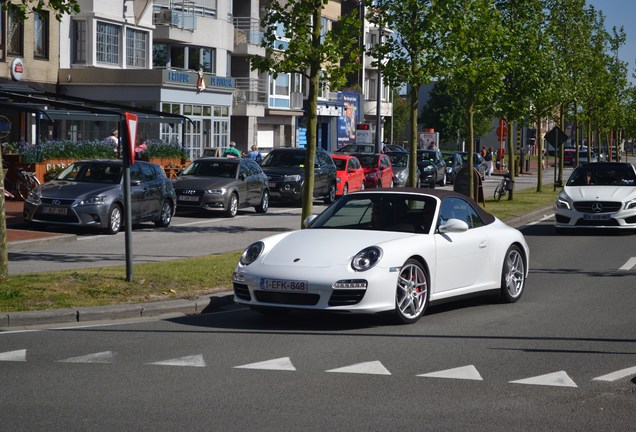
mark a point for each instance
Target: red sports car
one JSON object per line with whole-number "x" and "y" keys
{"x": 349, "y": 174}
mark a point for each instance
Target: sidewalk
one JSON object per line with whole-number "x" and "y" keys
{"x": 17, "y": 232}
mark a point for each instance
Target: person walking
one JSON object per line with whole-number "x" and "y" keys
{"x": 489, "y": 155}
{"x": 255, "y": 154}
{"x": 232, "y": 151}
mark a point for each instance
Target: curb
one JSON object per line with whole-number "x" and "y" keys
{"x": 21, "y": 245}
{"x": 200, "y": 305}
{"x": 522, "y": 220}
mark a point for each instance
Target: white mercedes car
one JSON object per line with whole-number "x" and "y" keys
{"x": 385, "y": 250}
{"x": 598, "y": 195}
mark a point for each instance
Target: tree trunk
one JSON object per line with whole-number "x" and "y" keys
{"x": 4, "y": 248}
{"x": 540, "y": 158}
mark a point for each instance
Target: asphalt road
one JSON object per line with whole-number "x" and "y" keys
{"x": 562, "y": 358}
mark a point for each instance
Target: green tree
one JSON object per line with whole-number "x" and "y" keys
{"x": 323, "y": 56}
{"x": 412, "y": 53}
{"x": 477, "y": 72}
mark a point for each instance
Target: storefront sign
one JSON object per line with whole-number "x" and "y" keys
{"x": 193, "y": 79}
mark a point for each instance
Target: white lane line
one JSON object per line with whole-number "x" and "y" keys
{"x": 16, "y": 356}
{"x": 372, "y": 367}
{"x": 283, "y": 363}
{"x": 465, "y": 372}
{"x": 559, "y": 379}
{"x": 614, "y": 376}
{"x": 191, "y": 361}
{"x": 629, "y": 264}
{"x": 101, "y": 357}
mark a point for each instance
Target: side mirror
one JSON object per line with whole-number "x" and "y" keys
{"x": 308, "y": 220}
{"x": 453, "y": 225}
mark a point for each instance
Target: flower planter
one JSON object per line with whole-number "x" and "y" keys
{"x": 41, "y": 168}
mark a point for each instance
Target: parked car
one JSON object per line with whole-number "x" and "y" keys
{"x": 90, "y": 193}
{"x": 479, "y": 163}
{"x": 598, "y": 195}
{"x": 356, "y": 148}
{"x": 400, "y": 165}
{"x": 349, "y": 174}
{"x": 378, "y": 172}
{"x": 569, "y": 157}
{"x": 402, "y": 252}
{"x": 453, "y": 163}
{"x": 432, "y": 167}
{"x": 285, "y": 169}
{"x": 222, "y": 185}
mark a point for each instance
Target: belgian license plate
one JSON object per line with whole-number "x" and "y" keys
{"x": 188, "y": 198}
{"x": 272, "y": 185}
{"x": 597, "y": 216}
{"x": 284, "y": 285}
{"x": 54, "y": 210}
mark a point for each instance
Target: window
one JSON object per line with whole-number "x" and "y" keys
{"x": 108, "y": 43}
{"x": 455, "y": 208}
{"x": 78, "y": 35}
{"x": 160, "y": 55}
{"x": 15, "y": 32}
{"x": 282, "y": 41}
{"x": 279, "y": 91}
{"x": 136, "y": 48}
{"x": 41, "y": 35}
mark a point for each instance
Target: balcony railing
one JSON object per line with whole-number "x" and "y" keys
{"x": 250, "y": 90}
{"x": 251, "y": 28}
{"x": 182, "y": 14}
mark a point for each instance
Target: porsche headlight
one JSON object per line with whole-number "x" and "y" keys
{"x": 251, "y": 253}
{"x": 93, "y": 200}
{"x": 366, "y": 258}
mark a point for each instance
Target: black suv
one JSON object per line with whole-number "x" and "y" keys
{"x": 285, "y": 169}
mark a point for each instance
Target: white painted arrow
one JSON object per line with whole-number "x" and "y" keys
{"x": 283, "y": 363}
{"x": 372, "y": 367}
{"x": 465, "y": 372}
{"x": 560, "y": 379}
{"x": 18, "y": 355}
{"x": 192, "y": 361}
{"x": 614, "y": 376}
{"x": 629, "y": 264}
{"x": 101, "y": 357}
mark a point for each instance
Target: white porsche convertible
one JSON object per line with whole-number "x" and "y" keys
{"x": 385, "y": 250}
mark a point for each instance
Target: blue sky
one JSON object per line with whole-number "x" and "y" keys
{"x": 621, "y": 13}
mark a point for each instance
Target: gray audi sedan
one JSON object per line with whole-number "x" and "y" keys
{"x": 90, "y": 193}
{"x": 222, "y": 185}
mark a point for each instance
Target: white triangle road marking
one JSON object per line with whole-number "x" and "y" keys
{"x": 100, "y": 357}
{"x": 192, "y": 361}
{"x": 465, "y": 372}
{"x": 17, "y": 356}
{"x": 372, "y": 367}
{"x": 283, "y": 363}
{"x": 630, "y": 264}
{"x": 559, "y": 379}
{"x": 615, "y": 376}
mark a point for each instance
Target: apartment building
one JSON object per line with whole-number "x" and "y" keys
{"x": 187, "y": 58}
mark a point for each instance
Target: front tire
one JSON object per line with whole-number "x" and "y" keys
{"x": 166, "y": 215}
{"x": 411, "y": 294}
{"x": 513, "y": 275}
{"x": 232, "y": 207}
{"x": 114, "y": 220}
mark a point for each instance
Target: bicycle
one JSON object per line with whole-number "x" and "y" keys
{"x": 504, "y": 186}
{"x": 24, "y": 181}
